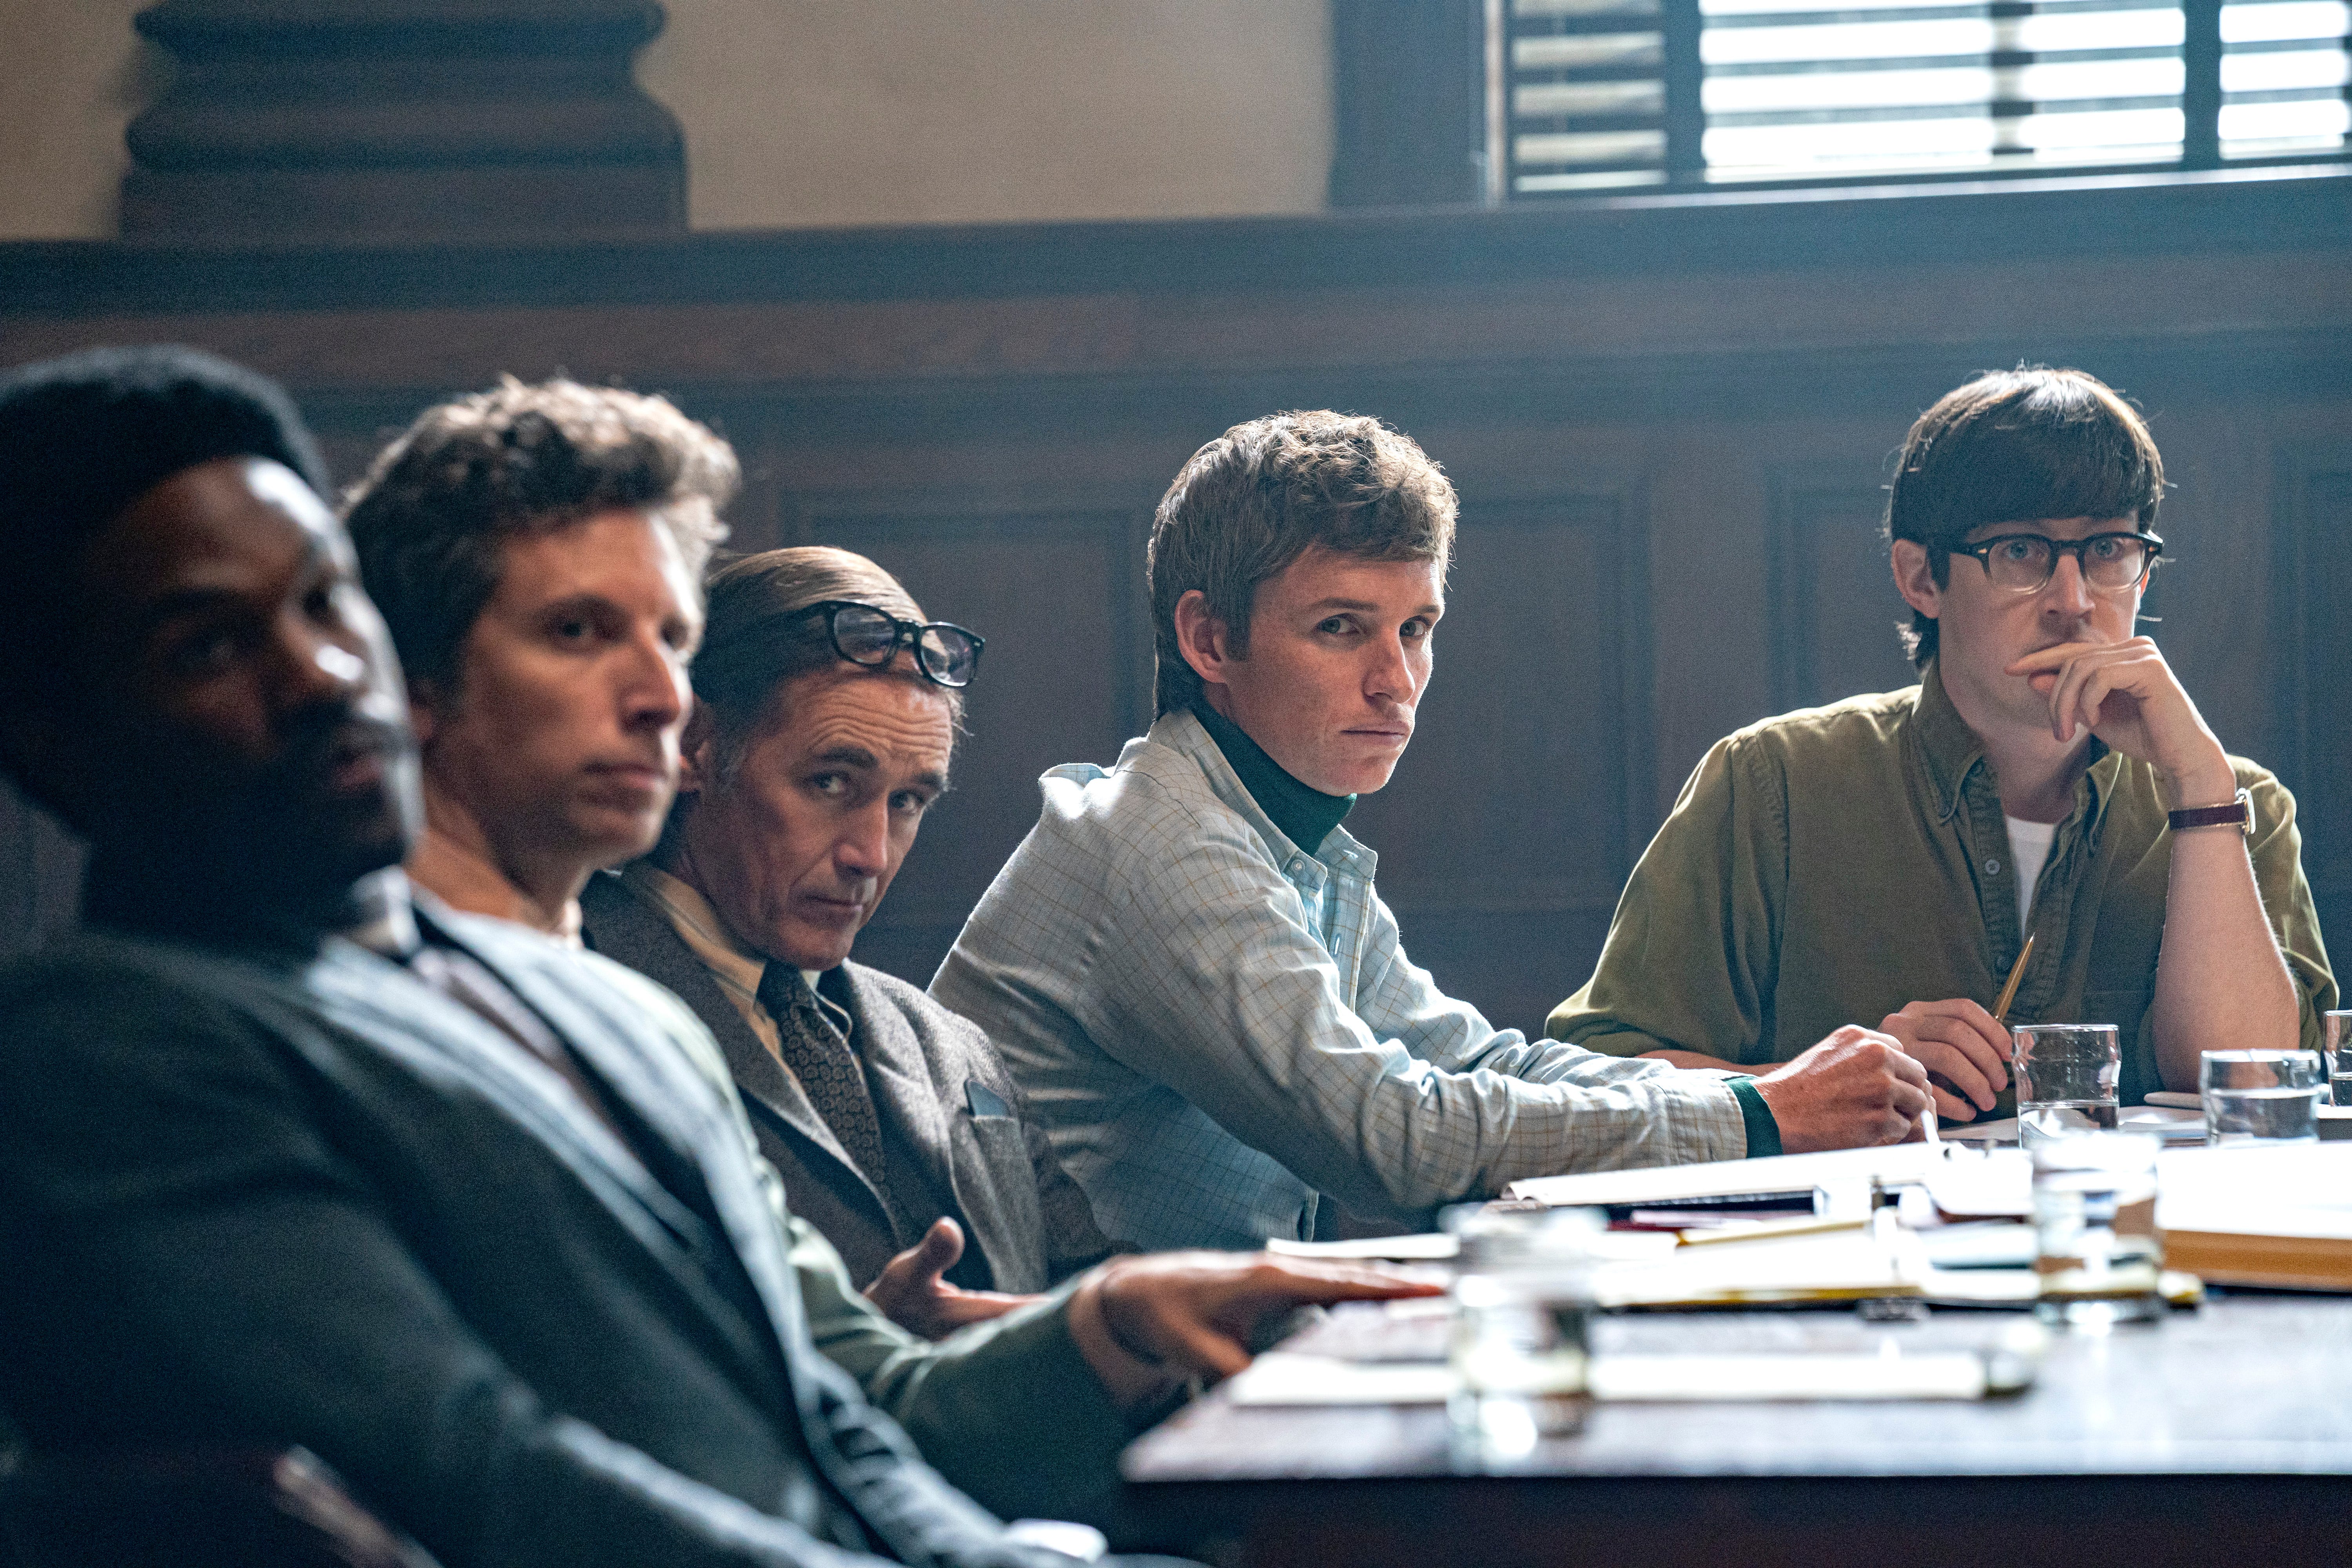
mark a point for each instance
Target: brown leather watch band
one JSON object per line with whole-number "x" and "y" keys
{"x": 2239, "y": 814}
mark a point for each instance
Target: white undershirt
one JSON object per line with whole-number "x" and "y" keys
{"x": 2029, "y": 851}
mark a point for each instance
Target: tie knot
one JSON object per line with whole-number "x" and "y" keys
{"x": 782, "y": 991}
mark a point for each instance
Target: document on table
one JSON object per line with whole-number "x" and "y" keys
{"x": 1281, "y": 1378}
{"x": 1845, "y": 1173}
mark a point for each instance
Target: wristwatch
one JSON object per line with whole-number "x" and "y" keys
{"x": 2239, "y": 814}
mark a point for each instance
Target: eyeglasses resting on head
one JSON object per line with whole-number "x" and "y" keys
{"x": 947, "y": 654}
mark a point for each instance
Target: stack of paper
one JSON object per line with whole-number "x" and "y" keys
{"x": 2279, "y": 1216}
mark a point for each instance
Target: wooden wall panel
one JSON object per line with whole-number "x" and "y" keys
{"x": 1506, "y": 833}
{"x": 2315, "y": 565}
{"x": 1833, "y": 602}
{"x": 1058, "y": 596}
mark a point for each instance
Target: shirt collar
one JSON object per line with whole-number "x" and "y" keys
{"x": 1952, "y": 751}
{"x": 1305, "y": 813}
{"x": 698, "y": 926}
{"x": 1183, "y": 733}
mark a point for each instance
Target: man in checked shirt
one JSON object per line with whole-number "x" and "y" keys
{"x": 1186, "y": 965}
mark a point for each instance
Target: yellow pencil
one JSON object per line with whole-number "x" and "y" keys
{"x": 2016, "y": 973}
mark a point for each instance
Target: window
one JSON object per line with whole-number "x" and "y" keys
{"x": 1595, "y": 95}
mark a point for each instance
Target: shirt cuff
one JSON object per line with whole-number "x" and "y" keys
{"x": 1763, "y": 1133}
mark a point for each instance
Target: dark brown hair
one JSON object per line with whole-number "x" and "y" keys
{"x": 431, "y": 519}
{"x": 2018, "y": 446}
{"x": 1261, "y": 494}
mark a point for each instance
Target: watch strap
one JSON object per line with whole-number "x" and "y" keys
{"x": 2238, "y": 814}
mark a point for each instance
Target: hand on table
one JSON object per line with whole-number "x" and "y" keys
{"x": 1958, "y": 1042}
{"x": 1854, "y": 1090}
{"x": 1192, "y": 1312}
{"x": 2127, "y": 695}
{"x": 912, "y": 1295}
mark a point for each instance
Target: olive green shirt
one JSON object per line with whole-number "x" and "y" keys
{"x": 1830, "y": 866}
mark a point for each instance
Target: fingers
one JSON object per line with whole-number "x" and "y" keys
{"x": 1956, "y": 1068}
{"x": 1275, "y": 1283}
{"x": 935, "y": 1254}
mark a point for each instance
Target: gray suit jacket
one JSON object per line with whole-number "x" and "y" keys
{"x": 1025, "y": 1215}
{"x": 296, "y": 1197}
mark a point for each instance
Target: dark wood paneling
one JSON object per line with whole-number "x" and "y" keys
{"x": 1408, "y": 101}
{"x": 1834, "y": 607}
{"x": 1058, "y": 596}
{"x": 2315, "y": 517}
{"x": 1504, "y": 835}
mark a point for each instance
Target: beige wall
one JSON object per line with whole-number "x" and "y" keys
{"x": 803, "y": 112}
{"x": 819, "y": 112}
{"x": 72, "y": 76}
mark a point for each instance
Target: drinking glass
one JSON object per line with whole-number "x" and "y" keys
{"x": 2338, "y": 1039}
{"x": 2066, "y": 1076}
{"x": 2261, "y": 1096}
{"x": 2096, "y": 1254}
{"x": 1522, "y": 1310}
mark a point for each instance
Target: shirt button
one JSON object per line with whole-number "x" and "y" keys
{"x": 1992, "y": 868}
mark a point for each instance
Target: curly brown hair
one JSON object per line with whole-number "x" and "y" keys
{"x": 431, "y": 519}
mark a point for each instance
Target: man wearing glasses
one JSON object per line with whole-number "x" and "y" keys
{"x": 813, "y": 752}
{"x": 1887, "y": 857}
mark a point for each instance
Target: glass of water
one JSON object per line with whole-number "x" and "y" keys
{"x": 2338, "y": 1039}
{"x": 1522, "y": 1310}
{"x": 2096, "y": 1253}
{"x": 2261, "y": 1096}
{"x": 2066, "y": 1076}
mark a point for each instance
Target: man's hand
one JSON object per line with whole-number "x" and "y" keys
{"x": 2125, "y": 694}
{"x": 1959, "y": 1042}
{"x": 1854, "y": 1090}
{"x": 912, "y": 1295}
{"x": 1189, "y": 1313}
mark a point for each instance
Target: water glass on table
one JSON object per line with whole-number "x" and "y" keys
{"x": 1522, "y": 1310}
{"x": 2098, "y": 1259}
{"x": 2066, "y": 1076}
{"x": 2337, "y": 1028}
{"x": 2261, "y": 1096}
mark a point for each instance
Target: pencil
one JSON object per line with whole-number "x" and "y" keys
{"x": 2016, "y": 973}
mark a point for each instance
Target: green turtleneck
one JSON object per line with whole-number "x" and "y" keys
{"x": 1305, "y": 816}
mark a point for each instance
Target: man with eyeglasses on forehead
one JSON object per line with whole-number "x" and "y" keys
{"x": 1886, "y": 857}
{"x": 826, "y": 721}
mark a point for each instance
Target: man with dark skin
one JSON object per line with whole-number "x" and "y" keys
{"x": 291, "y": 1157}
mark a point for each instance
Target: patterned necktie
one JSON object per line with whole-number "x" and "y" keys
{"x": 829, "y": 1074}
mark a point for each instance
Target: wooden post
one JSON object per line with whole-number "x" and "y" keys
{"x": 387, "y": 120}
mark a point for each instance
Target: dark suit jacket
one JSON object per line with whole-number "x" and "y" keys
{"x": 1023, "y": 1212}
{"x": 300, "y": 1197}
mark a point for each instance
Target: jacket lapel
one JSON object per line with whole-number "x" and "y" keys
{"x": 926, "y": 1098}
{"x": 369, "y": 996}
{"x": 618, "y": 924}
{"x": 700, "y": 1144}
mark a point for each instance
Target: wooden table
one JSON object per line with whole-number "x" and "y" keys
{"x": 2218, "y": 1437}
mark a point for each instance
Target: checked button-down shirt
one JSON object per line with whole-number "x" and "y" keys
{"x": 1216, "y": 1023}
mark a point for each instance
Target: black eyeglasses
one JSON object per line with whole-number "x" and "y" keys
{"x": 946, "y": 654}
{"x": 2110, "y": 563}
